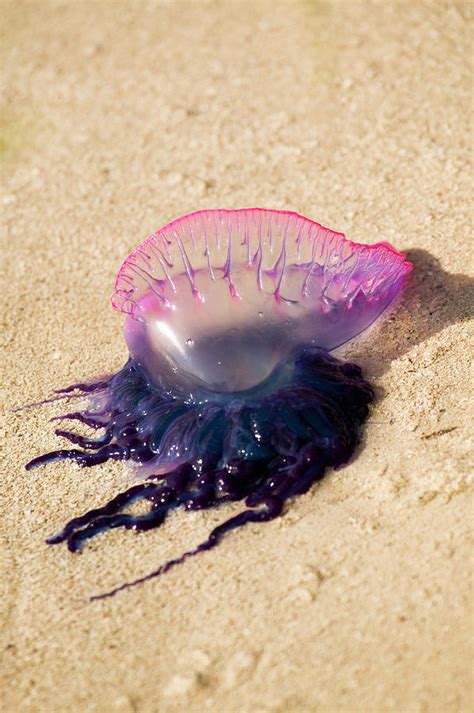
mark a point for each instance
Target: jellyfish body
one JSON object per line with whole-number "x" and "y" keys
{"x": 230, "y": 391}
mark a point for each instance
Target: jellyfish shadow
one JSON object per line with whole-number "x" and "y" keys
{"x": 433, "y": 299}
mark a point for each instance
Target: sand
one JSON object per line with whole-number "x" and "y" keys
{"x": 119, "y": 116}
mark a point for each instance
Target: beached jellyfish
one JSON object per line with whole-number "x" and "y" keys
{"x": 230, "y": 392}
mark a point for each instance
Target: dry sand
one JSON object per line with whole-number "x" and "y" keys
{"x": 120, "y": 116}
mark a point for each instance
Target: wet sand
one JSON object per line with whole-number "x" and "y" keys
{"x": 118, "y": 117}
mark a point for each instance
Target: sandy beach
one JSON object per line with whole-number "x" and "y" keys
{"x": 118, "y": 117}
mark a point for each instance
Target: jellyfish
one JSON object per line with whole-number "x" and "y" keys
{"x": 231, "y": 391}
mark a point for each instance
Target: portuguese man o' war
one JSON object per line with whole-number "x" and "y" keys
{"x": 230, "y": 392}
